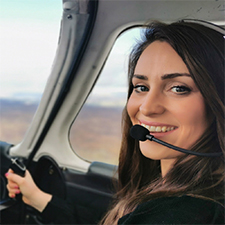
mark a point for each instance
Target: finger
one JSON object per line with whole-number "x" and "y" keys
{"x": 14, "y": 191}
{"x": 10, "y": 171}
{"x": 12, "y": 185}
{"x": 14, "y": 178}
{"x": 12, "y": 195}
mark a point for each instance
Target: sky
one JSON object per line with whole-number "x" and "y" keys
{"x": 28, "y": 42}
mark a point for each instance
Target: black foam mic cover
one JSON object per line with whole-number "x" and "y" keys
{"x": 139, "y": 132}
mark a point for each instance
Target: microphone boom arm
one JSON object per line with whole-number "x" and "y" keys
{"x": 152, "y": 138}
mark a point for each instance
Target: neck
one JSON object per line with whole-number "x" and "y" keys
{"x": 166, "y": 165}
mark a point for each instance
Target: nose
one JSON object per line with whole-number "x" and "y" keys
{"x": 152, "y": 104}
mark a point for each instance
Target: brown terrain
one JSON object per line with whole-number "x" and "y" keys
{"x": 95, "y": 135}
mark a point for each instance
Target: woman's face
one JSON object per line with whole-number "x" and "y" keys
{"x": 166, "y": 101}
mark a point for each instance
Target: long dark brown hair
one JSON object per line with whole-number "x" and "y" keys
{"x": 140, "y": 180}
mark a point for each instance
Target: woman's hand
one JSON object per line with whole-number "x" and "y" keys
{"x": 32, "y": 195}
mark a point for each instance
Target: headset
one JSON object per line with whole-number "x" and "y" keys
{"x": 142, "y": 134}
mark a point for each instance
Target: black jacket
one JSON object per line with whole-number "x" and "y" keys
{"x": 168, "y": 210}
{"x": 176, "y": 210}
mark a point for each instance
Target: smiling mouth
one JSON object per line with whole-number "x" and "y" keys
{"x": 158, "y": 129}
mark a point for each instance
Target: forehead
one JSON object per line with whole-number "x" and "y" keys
{"x": 159, "y": 57}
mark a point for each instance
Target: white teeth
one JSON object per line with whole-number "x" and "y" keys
{"x": 158, "y": 128}
{"x": 164, "y": 129}
{"x": 151, "y": 129}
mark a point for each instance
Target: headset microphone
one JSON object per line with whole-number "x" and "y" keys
{"x": 142, "y": 134}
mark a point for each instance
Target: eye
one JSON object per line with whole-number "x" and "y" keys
{"x": 140, "y": 88}
{"x": 181, "y": 90}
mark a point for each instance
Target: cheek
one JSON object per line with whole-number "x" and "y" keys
{"x": 196, "y": 114}
{"x": 193, "y": 122}
{"x": 132, "y": 108}
{"x": 199, "y": 120}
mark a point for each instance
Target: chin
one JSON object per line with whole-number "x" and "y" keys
{"x": 155, "y": 151}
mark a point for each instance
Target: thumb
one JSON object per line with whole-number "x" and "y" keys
{"x": 11, "y": 176}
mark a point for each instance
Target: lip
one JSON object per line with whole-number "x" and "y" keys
{"x": 162, "y": 134}
{"x": 156, "y": 124}
{"x": 158, "y": 134}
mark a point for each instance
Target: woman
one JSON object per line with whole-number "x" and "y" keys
{"x": 176, "y": 82}
{"x": 176, "y": 91}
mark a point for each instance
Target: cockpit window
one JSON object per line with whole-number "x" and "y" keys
{"x": 28, "y": 43}
{"x": 96, "y": 132}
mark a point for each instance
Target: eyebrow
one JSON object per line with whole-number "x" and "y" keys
{"x": 141, "y": 77}
{"x": 164, "y": 77}
{"x": 173, "y": 75}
